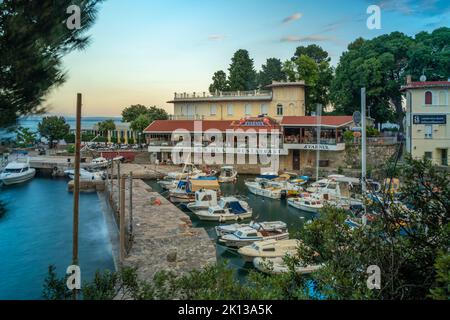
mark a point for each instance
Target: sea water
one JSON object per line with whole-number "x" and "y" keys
{"x": 36, "y": 232}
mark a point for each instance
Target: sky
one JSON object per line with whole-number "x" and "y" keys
{"x": 142, "y": 51}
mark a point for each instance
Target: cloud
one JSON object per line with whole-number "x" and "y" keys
{"x": 294, "y": 17}
{"x": 216, "y": 37}
{"x": 313, "y": 38}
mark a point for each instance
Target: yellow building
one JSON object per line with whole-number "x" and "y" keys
{"x": 427, "y": 127}
{"x": 281, "y": 99}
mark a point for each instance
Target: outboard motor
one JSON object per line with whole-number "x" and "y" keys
{"x": 283, "y": 194}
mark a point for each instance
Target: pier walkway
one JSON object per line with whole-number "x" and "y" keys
{"x": 162, "y": 235}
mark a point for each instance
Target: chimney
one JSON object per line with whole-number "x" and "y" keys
{"x": 408, "y": 79}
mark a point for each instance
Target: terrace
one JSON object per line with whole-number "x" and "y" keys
{"x": 221, "y": 96}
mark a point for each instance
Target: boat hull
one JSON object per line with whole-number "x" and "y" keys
{"x": 238, "y": 243}
{"x": 16, "y": 179}
{"x": 303, "y": 207}
{"x": 224, "y": 217}
{"x": 267, "y": 193}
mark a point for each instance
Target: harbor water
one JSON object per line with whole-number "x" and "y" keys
{"x": 36, "y": 231}
{"x": 264, "y": 209}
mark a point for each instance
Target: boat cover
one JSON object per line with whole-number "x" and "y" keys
{"x": 206, "y": 178}
{"x": 236, "y": 208}
{"x": 268, "y": 177}
{"x": 204, "y": 184}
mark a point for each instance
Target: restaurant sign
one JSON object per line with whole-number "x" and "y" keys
{"x": 323, "y": 147}
{"x": 430, "y": 119}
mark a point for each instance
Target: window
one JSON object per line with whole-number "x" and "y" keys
{"x": 213, "y": 111}
{"x": 443, "y": 98}
{"x": 191, "y": 110}
{"x": 264, "y": 109}
{"x": 428, "y": 98}
{"x": 248, "y": 109}
{"x": 279, "y": 110}
{"x": 428, "y": 132}
{"x": 429, "y": 155}
{"x": 230, "y": 109}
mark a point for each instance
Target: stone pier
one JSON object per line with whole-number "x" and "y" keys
{"x": 163, "y": 237}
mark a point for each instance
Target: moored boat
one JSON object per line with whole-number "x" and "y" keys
{"x": 269, "y": 226}
{"x": 185, "y": 190}
{"x": 265, "y": 189}
{"x": 269, "y": 249}
{"x": 246, "y": 236}
{"x": 99, "y": 163}
{"x": 17, "y": 172}
{"x": 228, "y": 209}
{"x": 227, "y": 174}
{"x": 86, "y": 175}
{"x": 306, "y": 204}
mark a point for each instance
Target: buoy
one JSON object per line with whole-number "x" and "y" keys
{"x": 157, "y": 202}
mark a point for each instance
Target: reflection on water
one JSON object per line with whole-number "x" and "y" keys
{"x": 36, "y": 231}
{"x": 264, "y": 209}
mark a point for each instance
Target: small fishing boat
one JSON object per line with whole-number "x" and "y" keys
{"x": 99, "y": 163}
{"x": 228, "y": 209}
{"x": 268, "y": 226}
{"x": 17, "y": 172}
{"x": 227, "y": 174}
{"x": 306, "y": 204}
{"x": 185, "y": 190}
{"x": 246, "y": 236}
{"x": 189, "y": 169}
{"x": 86, "y": 175}
{"x": 269, "y": 249}
{"x": 204, "y": 199}
{"x": 279, "y": 266}
{"x": 267, "y": 176}
{"x": 265, "y": 189}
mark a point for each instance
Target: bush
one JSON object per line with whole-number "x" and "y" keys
{"x": 348, "y": 136}
{"x": 70, "y": 149}
{"x": 372, "y": 132}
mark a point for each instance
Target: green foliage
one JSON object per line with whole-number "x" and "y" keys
{"x": 33, "y": 42}
{"x": 70, "y": 149}
{"x": 107, "y": 125}
{"x": 132, "y": 113}
{"x": 441, "y": 290}
{"x": 242, "y": 74}
{"x": 25, "y": 137}
{"x": 55, "y": 288}
{"x": 313, "y": 51}
{"x": 220, "y": 82}
{"x": 271, "y": 71}
{"x": 372, "y": 132}
{"x": 142, "y": 122}
{"x": 53, "y": 128}
{"x": 348, "y": 136}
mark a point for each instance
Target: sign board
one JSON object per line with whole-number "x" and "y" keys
{"x": 430, "y": 119}
{"x": 357, "y": 118}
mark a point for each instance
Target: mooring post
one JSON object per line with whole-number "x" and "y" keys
{"x": 111, "y": 192}
{"x": 118, "y": 178}
{"x": 130, "y": 228}
{"x": 122, "y": 219}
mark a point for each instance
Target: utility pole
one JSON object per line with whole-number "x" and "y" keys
{"x": 319, "y": 133}
{"x": 364, "y": 139}
{"x": 130, "y": 229}
{"x": 76, "y": 191}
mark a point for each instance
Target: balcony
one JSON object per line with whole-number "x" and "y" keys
{"x": 219, "y": 95}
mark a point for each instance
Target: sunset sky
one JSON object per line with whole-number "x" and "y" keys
{"x": 143, "y": 51}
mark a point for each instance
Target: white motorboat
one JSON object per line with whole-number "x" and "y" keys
{"x": 185, "y": 190}
{"x": 227, "y": 174}
{"x": 306, "y": 204}
{"x": 268, "y": 226}
{"x": 269, "y": 249}
{"x": 228, "y": 209}
{"x": 339, "y": 190}
{"x": 322, "y": 183}
{"x": 17, "y": 172}
{"x": 246, "y": 236}
{"x": 204, "y": 199}
{"x": 86, "y": 175}
{"x": 99, "y": 163}
{"x": 279, "y": 266}
{"x": 265, "y": 189}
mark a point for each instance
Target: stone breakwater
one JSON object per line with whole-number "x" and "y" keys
{"x": 163, "y": 237}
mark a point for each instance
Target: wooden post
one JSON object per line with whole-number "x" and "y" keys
{"x": 130, "y": 228}
{"x": 76, "y": 191}
{"x": 112, "y": 181}
{"x": 122, "y": 219}
{"x": 118, "y": 179}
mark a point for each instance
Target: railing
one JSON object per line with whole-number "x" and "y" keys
{"x": 218, "y": 94}
{"x": 183, "y": 117}
{"x": 331, "y": 141}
